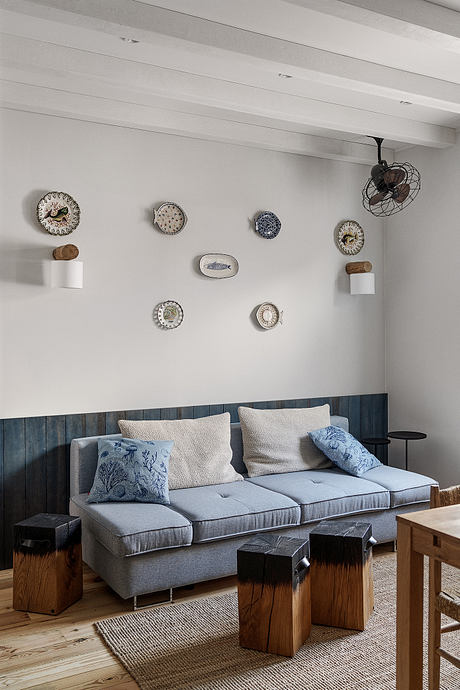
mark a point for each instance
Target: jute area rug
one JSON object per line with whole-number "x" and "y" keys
{"x": 194, "y": 645}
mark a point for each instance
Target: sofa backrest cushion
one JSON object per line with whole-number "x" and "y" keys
{"x": 83, "y": 455}
{"x": 201, "y": 454}
{"x": 277, "y": 440}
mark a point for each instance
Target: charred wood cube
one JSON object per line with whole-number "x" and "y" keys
{"x": 47, "y": 565}
{"x": 341, "y": 574}
{"x": 274, "y": 594}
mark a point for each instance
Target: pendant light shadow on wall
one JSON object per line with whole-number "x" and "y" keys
{"x": 362, "y": 280}
{"x": 390, "y": 188}
{"x": 66, "y": 271}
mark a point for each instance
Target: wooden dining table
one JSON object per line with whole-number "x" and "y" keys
{"x": 434, "y": 533}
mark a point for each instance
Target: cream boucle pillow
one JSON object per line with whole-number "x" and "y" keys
{"x": 201, "y": 453}
{"x": 276, "y": 441}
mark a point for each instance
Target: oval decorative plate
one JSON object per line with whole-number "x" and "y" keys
{"x": 350, "y": 237}
{"x": 267, "y": 224}
{"x": 268, "y": 315}
{"x": 170, "y": 218}
{"x": 219, "y": 265}
{"x": 58, "y": 213}
{"x": 169, "y": 314}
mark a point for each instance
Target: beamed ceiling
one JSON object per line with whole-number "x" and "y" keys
{"x": 306, "y": 76}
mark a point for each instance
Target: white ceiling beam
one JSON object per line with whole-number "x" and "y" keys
{"x": 165, "y": 28}
{"x": 313, "y": 27}
{"x": 51, "y": 66}
{"x": 221, "y": 66}
{"x": 413, "y": 19}
{"x": 96, "y": 109}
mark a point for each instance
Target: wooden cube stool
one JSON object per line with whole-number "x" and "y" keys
{"x": 274, "y": 594}
{"x": 342, "y": 588}
{"x": 47, "y": 567}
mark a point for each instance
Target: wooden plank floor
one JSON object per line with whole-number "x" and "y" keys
{"x": 65, "y": 651}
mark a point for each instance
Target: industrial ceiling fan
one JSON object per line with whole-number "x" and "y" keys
{"x": 390, "y": 188}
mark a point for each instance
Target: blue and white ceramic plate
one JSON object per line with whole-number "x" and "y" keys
{"x": 170, "y": 218}
{"x": 219, "y": 265}
{"x": 267, "y": 225}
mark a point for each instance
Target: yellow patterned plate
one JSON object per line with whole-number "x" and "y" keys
{"x": 169, "y": 314}
{"x": 350, "y": 237}
{"x": 58, "y": 213}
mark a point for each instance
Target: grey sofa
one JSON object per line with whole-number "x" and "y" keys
{"x": 139, "y": 548}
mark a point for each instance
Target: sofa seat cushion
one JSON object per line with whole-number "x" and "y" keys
{"x": 326, "y": 493}
{"x": 127, "y": 529}
{"x": 221, "y": 511}
{"x": 404, "y": 487}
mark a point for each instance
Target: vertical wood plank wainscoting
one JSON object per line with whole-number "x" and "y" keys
{"x": 34, "y": 451}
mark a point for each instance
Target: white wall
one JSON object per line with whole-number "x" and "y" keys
{"x": 95, "y": 349}
{"x": 422, "y": 293}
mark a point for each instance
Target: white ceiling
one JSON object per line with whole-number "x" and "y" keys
{"x": 211, "y": 69}
{"x": 452, "y": 4}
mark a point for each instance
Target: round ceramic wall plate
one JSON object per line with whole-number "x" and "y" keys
{"x": 268, "y": 315}
{"x": 58, "y": 213}
{"x": 219, "y": 265}
{"x": 350, "y": 237}
{"x": 170, "y": 218}
{"x": 267, "y": 224}
{"x": 169, "y": 314}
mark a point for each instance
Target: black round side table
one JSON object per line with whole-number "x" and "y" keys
{"x": 371, "y": 441}
{"x": 407, "y": 436}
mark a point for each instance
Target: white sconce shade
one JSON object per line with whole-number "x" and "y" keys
{"x": 67, "y": 274}
{"x": 362, "y": 283}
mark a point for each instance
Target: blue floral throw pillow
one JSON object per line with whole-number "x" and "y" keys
{"x": 131, "y": 470}
{"x": 344, "y": 450}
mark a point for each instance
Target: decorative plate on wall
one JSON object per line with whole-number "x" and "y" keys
{"x": 268, "y": 315}
{"x": 267, "y": 224}
{"x": 350, "y": 237}
{"x": 58, "y": 213}
{"x": 169, "y": 314}
{"x": 170, "y": 218}
{"x": 219, "y": 265}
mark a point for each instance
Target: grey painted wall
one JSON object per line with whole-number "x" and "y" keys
{"x": 74, "y": 351}
{"x": 422, "y": 292}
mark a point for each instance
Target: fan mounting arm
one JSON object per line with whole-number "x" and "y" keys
{"x": 379, "y": 142}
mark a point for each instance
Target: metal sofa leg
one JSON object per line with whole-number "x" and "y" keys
{"x": 156, "y": 603}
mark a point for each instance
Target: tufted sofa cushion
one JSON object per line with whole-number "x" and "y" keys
{"x": 404, "y": 487}
{"x": 227, "y": 510}
{"x": 326, "y": 493}
{"x": 127, "y": 529}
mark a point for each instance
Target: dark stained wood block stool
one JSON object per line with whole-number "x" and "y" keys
{"x": 47, "y": 567}
{"x": 342, "y": 588}
{"x": 274, "y": 594}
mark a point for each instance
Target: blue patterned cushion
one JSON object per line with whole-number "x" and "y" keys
{"x": 131, "y": 470}
{"x": 344, "y": 450}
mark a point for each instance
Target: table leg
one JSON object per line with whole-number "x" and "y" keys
{"x": 409, "y": 614}
{"x": 434, "y": 626}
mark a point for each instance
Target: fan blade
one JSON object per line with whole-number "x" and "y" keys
{"x": 377, "y": 198}
{"x": 402, "y": 193}
{"x": 394, "y": 176}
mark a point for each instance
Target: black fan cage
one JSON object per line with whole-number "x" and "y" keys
{"x": 388, "y": 206}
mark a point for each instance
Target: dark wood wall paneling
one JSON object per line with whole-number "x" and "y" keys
{"x": 34, "y": 451}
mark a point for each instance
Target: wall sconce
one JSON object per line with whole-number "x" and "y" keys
{"x": 66, "y": 272}
{"x": 362, "y": 281}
